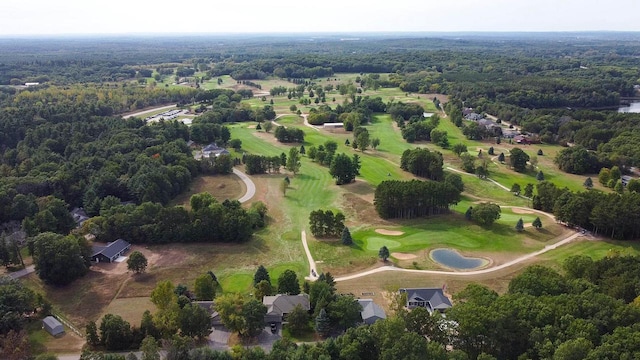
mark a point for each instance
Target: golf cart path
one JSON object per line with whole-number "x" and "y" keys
{"x": 251, "y": 187}
{"x": 313, "y": 272}
{"x": 466, "y": 273}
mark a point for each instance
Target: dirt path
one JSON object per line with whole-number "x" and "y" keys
{"x": 306, "y": 123}
{"x": 313, "y": 272}
{"x": 251, "y": 187}
{"x": 466, "y": 273}
{"x": 150, "y": 111}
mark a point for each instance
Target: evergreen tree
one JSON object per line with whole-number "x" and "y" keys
{"x": 501, "y": 157}
{"x": 383, "y": 253}
{"x": 491, "y": 150}
{"x": 468, "y": 213}
{"x": 302, "y": 150}
{"x": 520, "y": 225}
{"x": 540, "y": 176}
{"x": 515, "y": 189}
{"x": 588, "y": 183}
{"x": 346, "y": 237}
{"x": 528, "y": 190}
{"x": 261, "y": 274}
{"x": 323, "y": 323}
{"x": 540, "y": 153}
{"x": 537, "y": 223}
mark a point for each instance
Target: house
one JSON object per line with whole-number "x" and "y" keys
{"x": 79, "y": 216}
{"x": 474, "y": 116}
{"x": 508, "y": 133}
{"x": 430, "y": 298}
{"x": 487, "y": 123}
{"x": 371, "y": 312}
{"x": 214, "y": 150}
{"x": 52, "y": 325}
{"x": 279, "y": 306}
{"x": 111, "y": 252}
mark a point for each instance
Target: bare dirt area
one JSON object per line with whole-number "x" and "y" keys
{"x": 390, "y": 233}
{"x": 403, "y": 256}
{"x": 67, "y": 343}
{"x": 441, "y": 97}
{"x": 361, "y": 210}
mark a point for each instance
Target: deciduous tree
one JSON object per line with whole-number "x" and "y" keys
{"x": 288, "y": 283}
{"x": 137, "y": 262}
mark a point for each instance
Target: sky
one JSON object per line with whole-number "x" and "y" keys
{"x": 58, "y": 17}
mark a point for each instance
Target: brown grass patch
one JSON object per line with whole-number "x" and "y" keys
{"x": 390, "y": 233}
{"x": 131, "y": 309}
{"x": 222, "y": 187}
{"x": 68, "y": 342}
{"x": 403, "y": 256}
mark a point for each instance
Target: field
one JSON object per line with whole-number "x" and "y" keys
{"x": 278, "y": 246}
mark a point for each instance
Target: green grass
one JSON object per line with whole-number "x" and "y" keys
{"x": 594, "y": 249}
{"x": 239, "y": 282}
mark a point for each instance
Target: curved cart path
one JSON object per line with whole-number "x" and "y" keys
{"x": 251, "y": 187}
{"x": 466, "y": 273}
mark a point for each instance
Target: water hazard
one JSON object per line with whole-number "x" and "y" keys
{"x": 452, "y": 259}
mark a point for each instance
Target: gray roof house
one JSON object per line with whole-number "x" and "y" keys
{"x": 110, "y": 252}
{"x": 214, "y": 150}
{"x": 278, "y": 306}
{"x": 371, "y": 312}
{"x": 79, "y": 216}
{"x": 430, "y": 298}
{"x": 52, "y": 325}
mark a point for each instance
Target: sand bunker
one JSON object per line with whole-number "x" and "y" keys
{"x": 389, "y": 232}
{"x": 403, "y": 256}
{"x": 521, "y": 211}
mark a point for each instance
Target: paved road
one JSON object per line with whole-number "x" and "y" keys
{"x": 251, "y": 187}
{"x": 466, "y": 273}
{"x": 24, "y": 272}
{"x": 313, "y": 272}
{"x": 150, "y": 111}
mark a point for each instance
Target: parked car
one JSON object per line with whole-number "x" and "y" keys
{"x": 274, "y": 328}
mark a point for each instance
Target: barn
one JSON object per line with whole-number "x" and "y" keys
{"x": 111, "y": 252}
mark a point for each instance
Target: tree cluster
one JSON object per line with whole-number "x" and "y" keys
{"x": 326, "y": 223}
{"x": 424, "y": 163}
{"x": 411, "y": 199}
{"x": 288, "y": 135}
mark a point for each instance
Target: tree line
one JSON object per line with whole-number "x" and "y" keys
{"x": 415, "y": 198}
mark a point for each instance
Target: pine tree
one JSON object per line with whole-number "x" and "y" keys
{"x": 383, "y": 253}
{"x": 520, "y": 225}
{"x": 92, "y": 334}
{"x": 346, "y": 237}
{"x": 491, "y": 151}
{"x": 537, "y": 223}
{"x": 501, "y": 157}
{"x": 323, "y": 325}
{"x": 588, "y": 183}
{"x": 540, "y": 153}
{"x": 467, "y": 214}
{"x": 540, "y": 176}
{"x": 261, "y": 274}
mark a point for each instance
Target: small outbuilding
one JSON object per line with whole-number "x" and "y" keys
{"x": 52, "y": 325}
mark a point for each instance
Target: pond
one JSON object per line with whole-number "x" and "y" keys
{"x": 452, "y": 259}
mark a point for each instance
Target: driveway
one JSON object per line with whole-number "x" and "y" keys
{"x": 219, "y": 338}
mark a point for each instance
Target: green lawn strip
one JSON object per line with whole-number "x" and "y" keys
{"x": 595, "y": 249}
{"x": 306, "y": 336}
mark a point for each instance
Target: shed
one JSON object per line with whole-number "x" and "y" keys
{"x": 52, "y": 325}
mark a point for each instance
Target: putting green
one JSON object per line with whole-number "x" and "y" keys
{"x": 375, "y": 243}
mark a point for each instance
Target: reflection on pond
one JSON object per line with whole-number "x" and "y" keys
{"x": 451, "y": 258}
